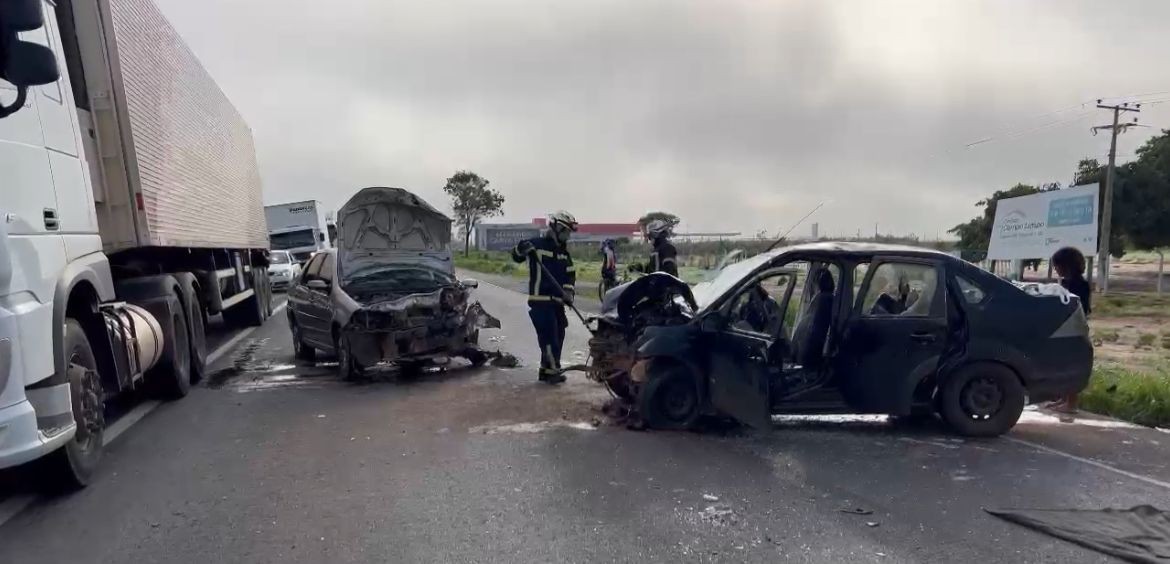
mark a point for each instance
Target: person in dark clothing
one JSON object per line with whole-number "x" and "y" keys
{"x": 609, "y": 263}
{"x": 549, "y": 288}
{"x": 663, "y": 256}
{"x": 1069, "y": 265}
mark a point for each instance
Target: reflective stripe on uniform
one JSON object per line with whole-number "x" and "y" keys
{"x": 570, "y": 268}
{"x": 544, "y": 253}
{"x": 568, "y": 286}
{"x": 666, "y": 260}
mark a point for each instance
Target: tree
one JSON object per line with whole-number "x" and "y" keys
{"x": 668, "y": 217}
{"x": 1142, "y": 195}
{"x": 472, "y": 201}
{"x": 975, "y": 234}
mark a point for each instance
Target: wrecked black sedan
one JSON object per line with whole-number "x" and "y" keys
{"x": 840, "y": 328}
{"x": 388, "y": 292}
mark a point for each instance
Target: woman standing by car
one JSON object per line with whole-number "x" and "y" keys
{"x": 1069, "y": 264}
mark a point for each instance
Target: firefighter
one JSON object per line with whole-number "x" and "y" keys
{"x": 663, "y": 256}
{"x": 549, "y": 288}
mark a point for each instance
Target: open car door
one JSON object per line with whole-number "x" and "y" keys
{"x": 895, "y": 336}
{"x": 739, "y": 339}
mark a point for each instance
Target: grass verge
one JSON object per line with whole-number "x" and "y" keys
{"x": 1138, "y": 397}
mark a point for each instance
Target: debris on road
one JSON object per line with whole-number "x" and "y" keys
{"x": 872, "y": 524}
{"x": 502, "y": 359}
{"x": 856, "y": 511}
{"x": 320, "y": 416}
{"x": 710, "y": 497}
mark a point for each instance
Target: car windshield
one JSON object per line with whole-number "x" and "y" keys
{"x": 397, "y": 277}
{"x": 726, "y": 279}
{"x": 292, "y": 239}
{"x": 278, "y": 258}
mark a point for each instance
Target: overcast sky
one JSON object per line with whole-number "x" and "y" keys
{"x": 735, "y": 115}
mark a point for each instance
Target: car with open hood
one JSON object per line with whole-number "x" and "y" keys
{"x": 840, "y": 328}
{"x": 388, "y": 292}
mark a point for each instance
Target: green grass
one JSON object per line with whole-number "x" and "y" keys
{"x": 1131, "y": 305}
{"x": 1107, "y": 335}
{"x": 1138, "y": 397}
{"x": 1146, "y": 340}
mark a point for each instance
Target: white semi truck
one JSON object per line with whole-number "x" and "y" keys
{"x": 301, "y": 228}
{"x": 130, "y": 211}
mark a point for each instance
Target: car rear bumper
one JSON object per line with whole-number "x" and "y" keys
{"x": 1062, "y": 368}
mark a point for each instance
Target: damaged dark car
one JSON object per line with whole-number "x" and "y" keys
{"x": 840, "y": 328}
{"x": 388, "y": 292}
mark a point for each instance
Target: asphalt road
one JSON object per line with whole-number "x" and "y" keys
{"x": 272, "y": 461}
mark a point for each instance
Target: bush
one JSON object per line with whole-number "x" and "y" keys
{"x": 1146, "y": 340}
{"x": 1138, "y": 397}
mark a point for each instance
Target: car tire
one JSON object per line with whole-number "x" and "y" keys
{"x": 347, "y": 366}
{"x": 476, "y": 357}
{"x": 982, "y": 400}
{"x": 71, "y": 467}
{"x": 301, "y": 350}
{"x": 670, "y": 399}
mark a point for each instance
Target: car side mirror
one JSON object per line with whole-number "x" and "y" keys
{"x": 21, "y": 15}
{"x": 29, "y": 64}
{"x": 470, "y": 282}
{"x": 317, "y": 284}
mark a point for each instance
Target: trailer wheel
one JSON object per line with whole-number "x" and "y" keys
{"x": 196, "y": 328}
{"x": 71, "y": 467}
{"x": 670, "y": 399}
{"x": 982, "y": 400}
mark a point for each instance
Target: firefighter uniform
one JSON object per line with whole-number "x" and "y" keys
{"x": 663, "y": 258}
{"x": 545, "y": 305}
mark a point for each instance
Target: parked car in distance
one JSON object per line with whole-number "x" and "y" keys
{"x": 282, "y": 269}
{"x": 840, "y": 328}
{"x": 388, "y": 292}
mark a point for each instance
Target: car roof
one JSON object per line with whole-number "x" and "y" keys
{"x": 861, "y": 249}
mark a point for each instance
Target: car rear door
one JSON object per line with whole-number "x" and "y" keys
{"x": 887, "y": 351}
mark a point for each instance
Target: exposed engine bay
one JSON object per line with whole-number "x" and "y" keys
{"x": 395, "y": 266}
{"x": 654, "y": 300}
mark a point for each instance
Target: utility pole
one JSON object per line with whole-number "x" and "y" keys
{"x": 1107, "y": 201}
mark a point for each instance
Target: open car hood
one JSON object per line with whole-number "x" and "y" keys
{"x": 621, "y": 301}
{"x": 382, "y": 227}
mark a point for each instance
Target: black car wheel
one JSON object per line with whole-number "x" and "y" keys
{"x": 670, "y": 399}
{"x": 982, "y": 400}
{"x": 301, "y": 350}
{"x": 347, "y": 366}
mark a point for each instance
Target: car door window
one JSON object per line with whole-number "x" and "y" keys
{"x": 972, "y": 293}
{"x": 326, "y": 272}
{"x": 313, "y": 268}
{"x": 760, "y": 307}
{"x": 903, "y": 289}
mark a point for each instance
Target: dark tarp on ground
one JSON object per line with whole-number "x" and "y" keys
{"x": 1139, "y": 534}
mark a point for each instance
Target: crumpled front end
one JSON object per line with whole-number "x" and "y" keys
{"x": 417, "y": 327}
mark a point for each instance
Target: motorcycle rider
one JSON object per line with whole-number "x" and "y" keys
{"x": 663, "y": 256}
{"x": 609, "y": 263}
{"x": 549, "y": 288}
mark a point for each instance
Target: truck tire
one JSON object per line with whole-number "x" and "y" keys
{"x": 248, "y": 313}
{"x": 71, "y": 467}
{"x": 196, "y": 325}
{"x": 171, "y": 378}
{"x": 983, "y": 399}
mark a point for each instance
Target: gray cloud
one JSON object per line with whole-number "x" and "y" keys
{"x": 736, "y": 115}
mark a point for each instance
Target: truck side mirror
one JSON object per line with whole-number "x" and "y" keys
{"x": 29, "y": 64}
{"x": 21, "y": 15}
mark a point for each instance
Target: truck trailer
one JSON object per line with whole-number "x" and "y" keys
{"x": 301, "y": 228}
{"x": 130, "y": 212}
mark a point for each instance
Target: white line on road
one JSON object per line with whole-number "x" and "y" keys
{"x": 12, "y": 506}
{"x": 1091, "y": 462}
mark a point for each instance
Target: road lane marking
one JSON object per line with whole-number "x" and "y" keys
{"x": 1094, "y": 463}
{"x": 13, "y": 506}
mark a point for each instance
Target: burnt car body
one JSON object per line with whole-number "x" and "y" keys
{"x": 952, "y": 339}
{"x": 388, "y": 292}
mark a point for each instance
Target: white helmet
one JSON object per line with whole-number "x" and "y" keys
{"x": 657, "y": 228}
{"x": 564, "y": 218}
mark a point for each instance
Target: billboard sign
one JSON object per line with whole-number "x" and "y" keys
{"x": 1035, "y": 226}
{"x": 504, "y": 238}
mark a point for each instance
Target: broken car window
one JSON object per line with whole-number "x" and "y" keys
{"x": 972, "y": 293}
{"x": 902, "y": 289}
{"x": 757, "y": 309}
